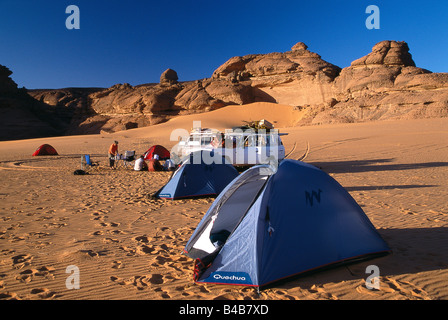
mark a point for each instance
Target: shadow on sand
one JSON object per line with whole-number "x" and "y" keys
{"x": 391, "y": 187}
{"x": 413, "y": 250}
{"x": 373, "y": 165}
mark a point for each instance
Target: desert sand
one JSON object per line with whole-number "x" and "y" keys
{"x": 127, "y": 245}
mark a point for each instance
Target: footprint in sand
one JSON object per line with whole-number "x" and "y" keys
{"x": 88, "y": 205}
{"x": 116, "y": 279}
{"x": 279, "y": 293}
{"x": 364, "y": 290}
{"x": 396, "y": 287}
{"x": 110, "y": 240}
{"x": 92, "y": 253}
{"x": 407, "y": 211}
{"x": 7, "y": 251}
{"x": 320, "y": 293}
{"x": 226, "y": 296}
{"x": 117, "y": 264}
{"x": 161, "y": 261}
{"x": 54, "y": 225}
{"x": 21, "y": 260}
{"x": 141, "y": 282}
{"x": 9, "y": 296}
{"x": 116, "y": 232}
{"x": 43, "y": 293}
{"x": 17, "y": 238}
{"x": 38, "y": 234}
{"x": 143, "y": 239}
{"x": 29, "y": 274}
{"x": 144, "y": 249}
{"x": 97, "y": 216}
{"x": 109, "y": 224}
{"x": 403, "y": 288}
{"x": 14, "y": 226}
{"x": 163, "y": 294}
{"x": 43, "y": 218}
{"x": 100, "y": 215}
{"x": 156, "y": 279}
{"x": 26, "y": 275}
{"x": 204, "y": 289}
{"x": 130, "y": 251}
{"x": 184, "y": 290}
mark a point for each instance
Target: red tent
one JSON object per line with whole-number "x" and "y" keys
{"x": 45, "y": 150}
{"x": 159, "y": 150}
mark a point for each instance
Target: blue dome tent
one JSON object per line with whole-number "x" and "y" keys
{"x": 269, "y": 225}
{"x": 202, "y": 173}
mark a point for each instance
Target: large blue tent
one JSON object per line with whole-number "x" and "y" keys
{"x": 203, "y": 173}
{"x": 269, "y": 224}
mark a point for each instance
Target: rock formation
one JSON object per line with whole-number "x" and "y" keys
{"x": 384, "y": 84}
{"x": 169, "y": 77}
{"x": 7, "y": 85}
{"x": 296, "y": 77}
{"x": 23, "y": 117}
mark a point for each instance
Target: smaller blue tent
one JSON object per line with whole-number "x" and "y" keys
{"x": 268, "y": 225}
{"x": 202, "y": 173}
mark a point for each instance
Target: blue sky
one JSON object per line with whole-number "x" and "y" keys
{"x": 134, "y": 41}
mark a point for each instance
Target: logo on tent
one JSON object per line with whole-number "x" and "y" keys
{"x": 230, "y": 277}
{"x": 309, "y": 197}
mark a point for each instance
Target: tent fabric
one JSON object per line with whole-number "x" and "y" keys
{"x": 161, "y": 151}
{"x": 45, "y": 150}
{"x": 300, "y": 219}
{"x": 197, "y": 178}
{"x": 225, "y": 202}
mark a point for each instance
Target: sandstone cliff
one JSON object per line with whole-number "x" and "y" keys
{"x": 23, "y": 117}
{"x": 384, "y": 84}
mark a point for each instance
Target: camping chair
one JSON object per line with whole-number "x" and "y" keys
{"x": 129, "y": 158}
{"x": 88, "y": 163}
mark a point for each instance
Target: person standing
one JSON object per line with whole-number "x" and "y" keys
{"x": 113, "y": 152}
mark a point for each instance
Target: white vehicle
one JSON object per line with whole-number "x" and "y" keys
{"x": 240, "y": 146}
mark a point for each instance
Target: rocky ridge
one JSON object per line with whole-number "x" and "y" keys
{"x": 384, "y": 84}
{"x": 24, "y": 117}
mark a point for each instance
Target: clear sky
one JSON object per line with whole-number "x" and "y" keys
{"x": 134, "y": 41}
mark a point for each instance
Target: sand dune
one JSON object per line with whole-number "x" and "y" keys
{"x": 281, "y": 116}
{"x": 127, "y": 245}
